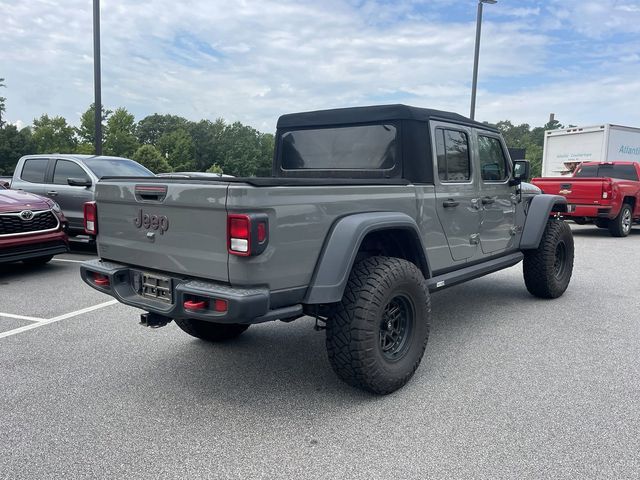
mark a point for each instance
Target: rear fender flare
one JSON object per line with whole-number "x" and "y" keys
{"x": 538, "y": 214}
{"x": 341, "y": 247}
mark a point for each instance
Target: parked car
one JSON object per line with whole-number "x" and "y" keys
{"x": 32, "y": 228}
{"x": 370, "y": 209}
{"x": 607, "y": 194}
{"x": 70, "y": 179}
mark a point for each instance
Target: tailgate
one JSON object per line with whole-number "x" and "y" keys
{"x": 166, "y": 226}
{"x": 576, "y": 190}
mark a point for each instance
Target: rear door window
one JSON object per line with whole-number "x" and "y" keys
{"x": 34, "y": 170}
{"x": 493, "y": 163}
{"x": 452, "y": 149}
{"x": 66, "y": 169}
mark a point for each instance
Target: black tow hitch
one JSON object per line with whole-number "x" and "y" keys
{"x": 153, "y": 320}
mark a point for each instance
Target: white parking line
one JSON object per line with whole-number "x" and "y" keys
{"x": 21, "y": 317}
{"x": 42, "y": 322}
{"x": 67, "y": 260}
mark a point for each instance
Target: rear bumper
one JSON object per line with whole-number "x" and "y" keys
{"x": 589, "y": 211}
{"x": 40, "y": 245}
{"x": 244, "y": 305}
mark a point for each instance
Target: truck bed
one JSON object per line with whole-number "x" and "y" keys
{"x": 300, "y": 214}
{"x": 576, "y": 190}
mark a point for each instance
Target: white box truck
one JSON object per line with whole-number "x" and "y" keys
{"x": 566, "y": 148}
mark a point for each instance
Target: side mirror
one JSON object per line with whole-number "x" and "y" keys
{"x": 521, "y": 171}
{"x": 79, "y": 182}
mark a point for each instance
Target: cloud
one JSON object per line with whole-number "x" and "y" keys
{"x": 519, "y": 12}
{"x": 598, "y": 19}
{"x": 252, "y": 61}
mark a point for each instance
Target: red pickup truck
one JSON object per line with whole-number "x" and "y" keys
{"x": 607, "y": 194}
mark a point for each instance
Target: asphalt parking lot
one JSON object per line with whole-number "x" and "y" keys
{"x": 510, "y": 387}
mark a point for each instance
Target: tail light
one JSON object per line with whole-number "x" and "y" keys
{"x": 607, "y": 189}
{"x": 91, "y": 218}
{"x": 247, "y": 234}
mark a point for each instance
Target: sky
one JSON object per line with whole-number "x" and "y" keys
{"x": 251, "y": 61}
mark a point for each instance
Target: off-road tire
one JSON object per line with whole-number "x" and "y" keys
{"x": 601, "y": 222}
{"x": 621, "y": 225}
{"x": 212, "y": 332}
{"x": 360, "y": 325}
{"x": 547, "y": 269}
{"x": 38, "y": 260}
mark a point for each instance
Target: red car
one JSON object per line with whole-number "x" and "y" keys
{"x": 32, "y": 228}
{"x": 607, "y": 194}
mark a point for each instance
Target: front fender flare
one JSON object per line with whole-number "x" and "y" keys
{"x": 540, "y": 209}
{"x": 341, "y": 247}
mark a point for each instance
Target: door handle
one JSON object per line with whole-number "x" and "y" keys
{"x": 52, "y": 193}
{"x": 450, "y": 203}
{"x": 488, "y": 200}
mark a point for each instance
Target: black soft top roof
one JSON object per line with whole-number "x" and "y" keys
{"x": 375, "y": 113}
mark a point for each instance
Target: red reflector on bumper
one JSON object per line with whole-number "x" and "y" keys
{"x": 195, "y": 304}
{"x": 100, "y": 280}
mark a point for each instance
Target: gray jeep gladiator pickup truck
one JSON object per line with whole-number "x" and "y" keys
{"x": 368, "y": 211}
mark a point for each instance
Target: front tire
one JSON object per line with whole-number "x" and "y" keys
{"x": 547, "y": 269}
{"x": 209, "y": 331}
{"x": 378, "y": 334}
{"x": 621, "y": 225}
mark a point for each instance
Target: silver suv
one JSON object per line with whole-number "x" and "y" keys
{"x": 70, "y": 179}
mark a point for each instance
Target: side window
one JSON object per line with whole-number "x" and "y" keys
{"x": 493, "y": 163}
{"x": 66, "y": 169}
{"x": 452, "y": 149}
{"x": 34, "y": 169}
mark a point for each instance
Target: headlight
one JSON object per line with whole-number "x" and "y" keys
{"x": 56, "y": 208}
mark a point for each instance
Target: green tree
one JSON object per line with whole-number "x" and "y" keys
{"x": 120, "y": 139}
{"x": 531, "y": 139}
{"x": 245, "y": 151}
{"x": 215, "y": 168}
{"x": 151, "y": 128}
{"x": 177, "y": 147}
{"x": 3, "y": 107}
{"x": 265, "y": 162}
{"x": 207, "y": 141}
{"x": 85, "y": 148}
{"x": 53, "y": 135}
{"x": 14, "y": 144}
{"x": 87, "y": 130}
{"x": 150, "y": 157}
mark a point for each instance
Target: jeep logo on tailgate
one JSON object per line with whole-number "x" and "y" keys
{"x": 153, "y": 222}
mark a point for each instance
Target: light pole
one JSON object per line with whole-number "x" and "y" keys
{"x": 475, "y": 58}
{"x": 97, "y": 102}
